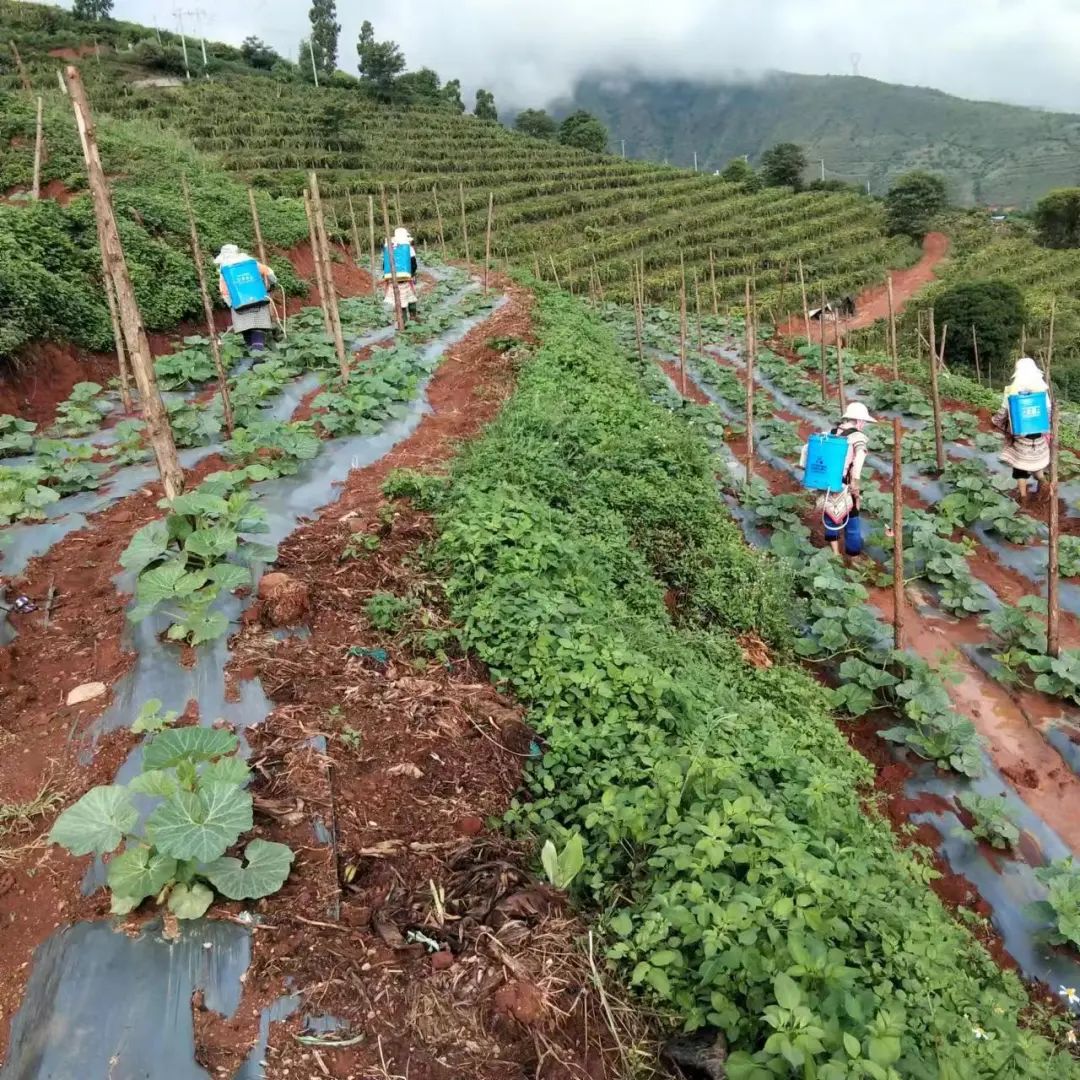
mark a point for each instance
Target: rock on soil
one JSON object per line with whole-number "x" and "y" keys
{"x": 86, "y": 692}
{"x": 286, "y": 601}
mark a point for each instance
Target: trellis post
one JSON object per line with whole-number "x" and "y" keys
{"x": 208, "y": 309}
{"x": 821, "y": 323}
{"x": 371, "y": 244}
{"x": 316, "y": 257}
{"x": 328, "y": 274}
{"x": 939, "y": 442}
{"x": 805, "y": 305}
{"x": 682, "y": 326}
{"x": 438, "y": 214}
{"x": 357, "y": 250}
{"x": 898, "y": 536}
{"x": 39, "y": 139}
{"x": 154, "y": 413}
{"x": 465, "y": 228}
{"x": 712, "y": 282}
{"x": 487, "y": 240}
{"x": 751, "y": 353}
{"x": 893, "y": 351}
{"x": 399, "y": 316}
{"x": 259, "y": 245}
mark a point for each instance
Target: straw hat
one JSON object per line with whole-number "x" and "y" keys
{"x": 856, "y": 410}
{"x": 402, "y": 236}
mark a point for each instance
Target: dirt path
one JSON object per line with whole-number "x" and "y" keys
{"x": 873, "y": 304}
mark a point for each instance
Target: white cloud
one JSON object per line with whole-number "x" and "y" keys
{"x": 1021, "y": 51}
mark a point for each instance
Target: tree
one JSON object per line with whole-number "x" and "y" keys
{"x": 537, "y": 123}
{"x": 324, "y": 35}
{"x": 583, "y": 130}
{"x": 997, "y": 311}
{"x": 783, "y": 165}
{"x": 912, "y": 203}
{"x": 1057, "y": 218}
{"x": 451, "y": 95}
{"x": 485, "y": 106}
{"x": 422, "y": 87}
{"x": 381, "y": 62}
{"x": 740, "y": 171}
{"x": 92, "y": 9}
{"x": 258, "y": 54}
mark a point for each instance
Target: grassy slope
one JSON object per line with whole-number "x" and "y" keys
{"x": 725, "y": 833}
{"x": 864, "y": 129}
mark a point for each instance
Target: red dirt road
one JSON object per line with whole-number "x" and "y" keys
{"x": 873, "y": 304}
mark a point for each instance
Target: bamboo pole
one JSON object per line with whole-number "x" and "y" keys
{"x": 375, "y": 275}
{"x": 893, "y": 351}
{"x": 154, "y": 413}
{"x": 939, "y": 442}
{"x": 399, "y": 316}
{"x": 712, "y": 282}
{"x": 1053, "y": 599}
{"x": 783, "y": 289}
{"x": 898, "y": 535}
{"x": 824, "y": 376}
{"x": 320, "y": 281}
{"x": 397, "y": 206}
{"x": 536, "y": 267}
{"x": 599, "y": 283}
{"x": 975, "y": 347}
{"x": 208, "y": 309}
{"x": 805, "y": 304}
{"x": 840, "y": 367}
{"x": 438, "y": 214}
{"x": 1050, "y": 343}
{"x": 118, "y": 336}
{"x": 638, "y": 316}
{"x": 20, "y": 67}
{"x": 487, "y": 240}
{"x": 354, "y": 230}
{"x": 697, "y": 317}
{"x": 1023, "y": 340}
{"x": 555, "y": 272}
{"x": 465, "y": 228}
{"x": 751, "y": 353}
{"x": 259, "y": 245}
{"x": 39, "y": 141}
{"x": 683, "y": 330}
{"x": 328, "y": 274}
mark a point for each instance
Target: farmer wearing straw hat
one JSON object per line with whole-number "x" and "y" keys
{"x": 840, "y": 509}
{"x": 1029, "y": 455}
{"x": 406, "y": 270}
{"x": 250, "y": 320}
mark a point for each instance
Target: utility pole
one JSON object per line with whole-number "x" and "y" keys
{"x": 822, "y": 168}
{"x": 154, "y": 413}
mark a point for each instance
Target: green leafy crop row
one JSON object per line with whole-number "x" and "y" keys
{"x": 723, "y": 817}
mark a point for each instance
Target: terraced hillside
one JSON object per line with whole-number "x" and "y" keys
{"x": 564, "y": 210}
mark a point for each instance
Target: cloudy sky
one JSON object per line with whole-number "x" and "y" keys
{"x": 1022, "y": 51}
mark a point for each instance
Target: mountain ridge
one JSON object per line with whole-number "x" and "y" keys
{"x": 864, "y": 129}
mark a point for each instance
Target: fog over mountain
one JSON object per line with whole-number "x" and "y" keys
{"x": 1019, "y": 51}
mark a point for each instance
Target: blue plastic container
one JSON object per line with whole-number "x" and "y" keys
{"x": 826, "y": 456}
{"x": 1029, "y": 414}
{"x": 402, "y": 261}
{"x": 245, "y": 284}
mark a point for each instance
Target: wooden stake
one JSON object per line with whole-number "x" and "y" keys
{"x": 1053, "y": 601}
{"x": 536, "y": 267}
{"x": 682, "y": 326}
{"x": 354, "y": 229}
{"x": 257, "y": 228}
{"x": 328, "y": 275}
{"x": 712, "y": 282}
{"x": 554, "y": 271}
{"x": 840, "y": 367}
{"x": 316, "y": 258}
{"x": 375, "y": 275}
{"x": 975, "y": 347}
{"x": 23, "y": 77}
{"x": 397, "y": 206}
{"x": 599, "y": 283}
{"x": 783, "y": 287}
{"x": 438, "y": 214}
{"x": 898, "y": 535}
{"x": 824, "y": 376}
{"x": 939, "y": 442}
{"x": 1023, "y": 340}
{"x": 805, "y": 305}
{"x": 154, "y": 413}
{"x": 1050, "y": 343}
{"x": 638, "y": 316}
{"x": 208, "y": 309}
{"x": 118, "y": 337}
{"x": 751, "y": 354}
{"x": 465, "y": 229}
{"x": 399, "y": 315}
{"x": 893, "y": 352}
{"x": 697, "y": 315}
{"x": 39, "y": 140}
{"x": 487, "y": 240}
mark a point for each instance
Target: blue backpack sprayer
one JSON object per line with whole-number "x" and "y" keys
{"x": 1029, "y": 413}
{"x": 826, "y": 464}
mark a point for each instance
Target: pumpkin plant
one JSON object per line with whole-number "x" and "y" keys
{"x": 177, "y": 853}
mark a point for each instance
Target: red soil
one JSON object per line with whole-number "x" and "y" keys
{"x": 873, "y": 303}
